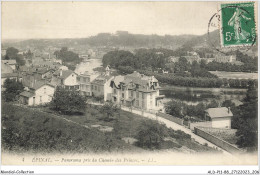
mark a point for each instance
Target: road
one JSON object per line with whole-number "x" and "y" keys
{"x": 175, "y": 126}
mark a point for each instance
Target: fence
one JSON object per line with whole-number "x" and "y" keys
{"x": 201, "y": 124}
{"x": 217, "y": 141}
{"x": 171, "y": 118}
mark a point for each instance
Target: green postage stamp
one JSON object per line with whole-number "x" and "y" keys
{"x": 238, "y": 26}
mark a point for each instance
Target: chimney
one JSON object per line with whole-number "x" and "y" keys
{"x": 228, "y": 109}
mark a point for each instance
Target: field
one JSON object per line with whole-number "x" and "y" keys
{"x": 235, "y": 75}
{"x": 42, "y": 130}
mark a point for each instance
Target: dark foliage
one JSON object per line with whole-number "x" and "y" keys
{"x": 151, "y": 134}
{"x": 27, "y": 130}
{"x": 67, "y": 56}
{"x": 68, "y": 101}
{"x": 12, "y": 54}
{"x": 248, "y": 119}
{"x": 12, "y": 89}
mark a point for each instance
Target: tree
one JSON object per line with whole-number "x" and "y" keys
{"x": 12, "y": 89}
{"x": 68, "y": 101}
{"x": 175, "y": 108}
{"x": 248, "y": 129}
{"x": 12, "y": 53}
{"x": 213, "y": 104}
{"x": 67, "y": 56}
{"x": 109, "y": 109}
{"x": 151, "y": 134}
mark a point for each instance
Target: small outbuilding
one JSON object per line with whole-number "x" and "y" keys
{"x": 220, "y": 117}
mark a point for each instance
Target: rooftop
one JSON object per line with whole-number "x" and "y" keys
{"x": 219, "y": 112}
{"x": 101, "y": 79}
{"x": 9, "y": 75}
{"x": 27, "y": 94}
{"x": 8, "y": 61}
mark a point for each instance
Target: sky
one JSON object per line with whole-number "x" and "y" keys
{"x": 28, "y": 20}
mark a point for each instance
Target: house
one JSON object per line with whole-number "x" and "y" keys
{"x": 137, "y": 90}
{"x": 11, "y": 63}
{"x": 220, "y": 117}
{"x": 84, "y": 81}
{"x": 36, "y": 74}
{"x": 5, "y": 68}
{"x": 101, "y": 86}
{"x": 41, "y": 93}
{"x": 225, "y": 58}
{"x": 65, "y": 78}
{"x": 173, "y": 59}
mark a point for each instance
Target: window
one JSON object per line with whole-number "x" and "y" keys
{"x": 114, "y": 91}
{"x": 44, "y": 90}
{"x": 132, "y": 93}
{"x": 137, "y": 102}
{"x": 123, "y": 95}
{"x": 142, "y": 95}
{"x": 98, "y": 88}
{"x": 84, "y": 80}
{"x": 143, "y": 105}
{"x": 92, "y": 87}
{"x": 95, "y": 87}
{"x": 137, "y": 94}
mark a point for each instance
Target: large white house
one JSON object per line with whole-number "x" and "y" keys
{"x": 137, "y": 90}
{"x": 41, "y": 93}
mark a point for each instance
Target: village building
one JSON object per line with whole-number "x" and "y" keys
{"x": 40, "y": 93}
{"x": 5, "y": 68}
{"x": 84, "y": 80}
{"x": 11, "y": 63}
{"x": 66, "y": 79}
{"x": 137, "y": 90}
{"x": 219, "y": 117}
{"x": 36, "y": 74}
{"x": 100, "y": 86}
{"x": 225, "y": 58}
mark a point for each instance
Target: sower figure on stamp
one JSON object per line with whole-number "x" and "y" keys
{"x": 235, "y": 21}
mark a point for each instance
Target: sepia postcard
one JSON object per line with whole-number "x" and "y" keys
{"x": 129, "y": 83}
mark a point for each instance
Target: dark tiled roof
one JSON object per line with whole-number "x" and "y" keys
{"x": 102, "y": 79}
{"x": 5, "y": 68}
{"x": 40, "y": 84}
{"x": 8, "y": 61}
{"x": 65, "y": 73}
{"x": 9, "y": 75}
{"x": 27, "y": 94}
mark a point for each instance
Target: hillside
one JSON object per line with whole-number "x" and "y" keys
{"x": 120, "y": 39}
{"x": 42, "y": 130}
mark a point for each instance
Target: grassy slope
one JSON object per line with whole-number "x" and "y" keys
{"x": 29, "y": 129}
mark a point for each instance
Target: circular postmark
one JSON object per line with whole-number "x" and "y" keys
{"x": 231, "y": 28}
